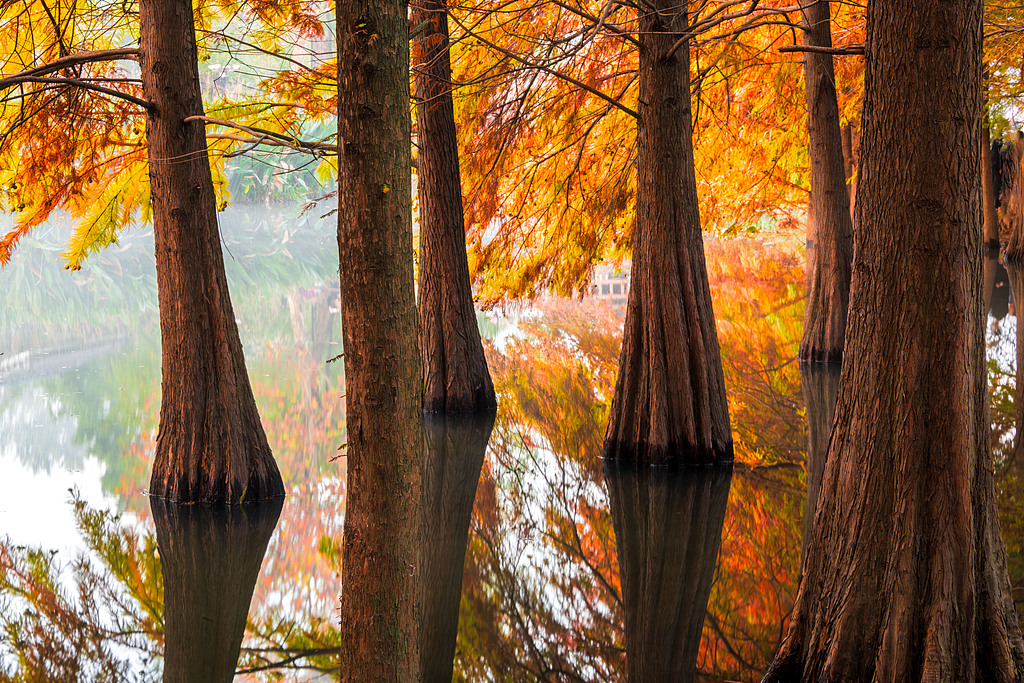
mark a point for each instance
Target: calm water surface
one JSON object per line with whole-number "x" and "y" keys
{"x": 540, "y": 562}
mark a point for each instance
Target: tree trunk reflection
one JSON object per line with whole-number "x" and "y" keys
{"x": 210, "y": 558}
{"x": 820, "y": 388}
{"x": 455, "y": 453}
{"x": 668, "y": 529}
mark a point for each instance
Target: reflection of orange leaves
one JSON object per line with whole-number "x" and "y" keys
{"x": 485, "y": 506}
{"x": 756, "y": 578}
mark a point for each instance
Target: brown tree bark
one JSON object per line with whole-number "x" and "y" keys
{"x": 820, "y": 384}
{"x": 383, "y": 390}
{"x": 1014, "y": 204}
{"x": 211, "y": 447}
{"x": 849, "y": 165}
{"x": 456, "y": 445}
{"x": 669, "y": 402}
{"x": 988, "y": 191}
{"x": 210, "y": 558}
{"x": 905, "y": 578}
{"x": 455, "y": 375}
{"x": 828, "y": 292}
{"x": 668, "y": 530}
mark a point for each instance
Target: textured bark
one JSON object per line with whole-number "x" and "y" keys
{"x": 828, "y": 291}
{"x": 210, "y": 558}
{"x": 669, "y": 402}
{"x": 820, "y": 383}
{"x": 211, "y": 447}
{"x": 905, "y": 578}
{"x": 383, "y": 391}
{"x": 1014, "y": 204}
{"x": 849, "y": 164}
{"x": 988, "y": 192}
{"x": 455, "y": 454}
{"x": 668, "y": 530}
{"x": 455, "y": 375}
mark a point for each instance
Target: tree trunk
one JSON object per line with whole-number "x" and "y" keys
{"x": 669, "y": 402}
{"x": 455, "y": 375}
{"x": 383, "y": 396}
{"x": 211, "y": 447}
{"x": 828, "y": 292}
{"x": 906, "y": 574}
{"x": 988, "y": 191}
{"x": 668, "y": 529}
{"x": 1013, "y": 203}
{"x": 455, "y": 453}
{"x": 849, "y": 165}
{"x": 820, "y": 383}
{"x": 210, "y": 559}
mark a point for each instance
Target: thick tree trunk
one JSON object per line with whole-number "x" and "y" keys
{"x": 669, "y": 402}
{"x": 668, "y": 529}
{"x": 988, "y": 191}
{"x": 828, "y": 292}
{"x": 455, "y": 375}
{"x": 820, "y": 383}
{"x": 906, "y": 577}
{"x": 383, "y": 397}
{"x": 211, "y": 447}
{"x": 210, "y": 557}
{"x": 455, "y": 454}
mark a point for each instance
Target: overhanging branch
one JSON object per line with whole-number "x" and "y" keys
{"x": 69, "y": 61}
{"x": 85, "y": 85}
{"x": 850, "y": 50}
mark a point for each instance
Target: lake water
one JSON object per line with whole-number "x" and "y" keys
{"x": 540, "y": 562}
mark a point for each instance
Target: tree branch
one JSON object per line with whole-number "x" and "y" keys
{"x": 71, "y": 60}
{"x": 849, "y": 50}
{"x": 85, "y": 85}
{"x": 263, "y": 135}
{"x": 540, "y": 67}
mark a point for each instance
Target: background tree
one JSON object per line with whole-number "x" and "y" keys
{"x": 97, "y": 169}
{"x": 829, "y": 280}
{"x": 669, "y": 401}
{"x": 207, "y": 406}
{"x": 383, "y": 397}
{"x": 455, "y": 375}
{"x": 905, "y": 576}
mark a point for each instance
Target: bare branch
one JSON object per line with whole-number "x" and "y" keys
{"x": 69, "y": 61}
{"x": 261, "y": 135}
{"x": 85, "y": 85}
{"x": 848, "y": 50}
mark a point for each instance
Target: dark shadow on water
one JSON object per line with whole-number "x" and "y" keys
{"x": 668, "y": 530}
{"x": 455, "y": 446}
{"x": 210, "y": 558}
{"x": 820, "y": 388}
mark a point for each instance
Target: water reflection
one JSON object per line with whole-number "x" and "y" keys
{"x": 668, "y": 529}
{"x": 455, "y": 453}
{"x": 546, "y": 572}
{"x": 210, "y": 558}
{"x": 820, "y": 388}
